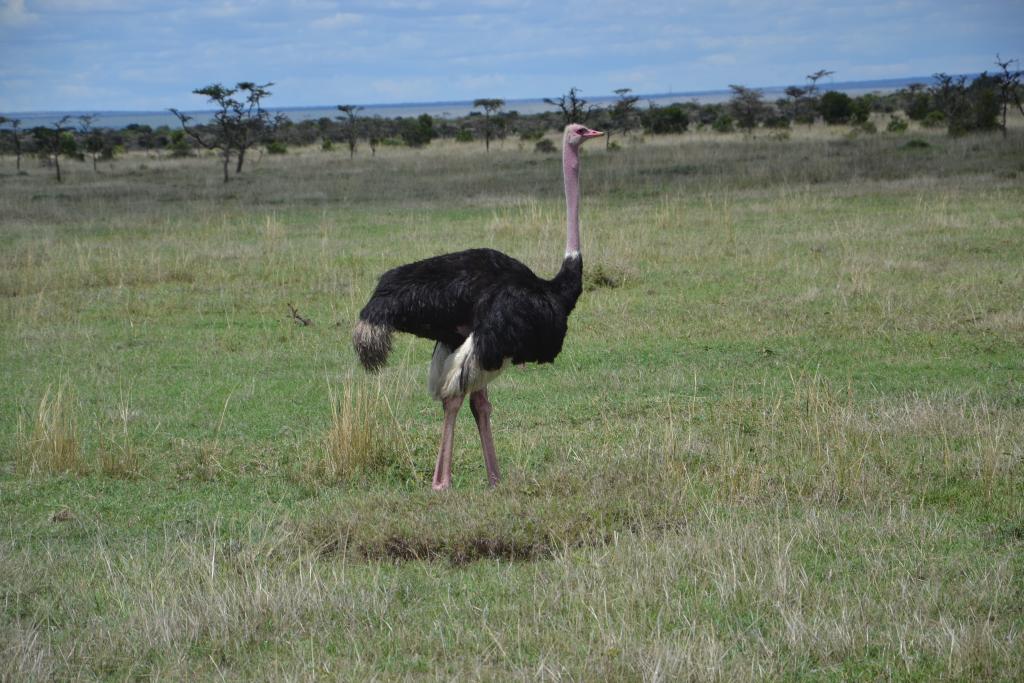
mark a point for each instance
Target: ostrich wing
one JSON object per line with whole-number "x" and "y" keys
{"x": 524, "y": 324}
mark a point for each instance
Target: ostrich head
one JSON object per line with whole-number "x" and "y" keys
{"x": 576, "y": 135}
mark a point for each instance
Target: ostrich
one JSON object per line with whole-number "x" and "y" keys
{"x": 484, "y": 310}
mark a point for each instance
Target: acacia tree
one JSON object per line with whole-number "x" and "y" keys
{"x": 1009, "y": 88}
{"x": 574, "y": 108}
{"x": 350, "y": 112}
{"x": 812, "y": 88}
{"x": 237, "y": 125}
{"x": 490, "y": 106}
{"x": 373, "y": 134}
{"x": 92, "y": 138}
{"x": 811, "y": 91}
{"x": 950, "y": 96}
{"x": 795, "y": 94}
{"x": 747, "y": 107}
{"x": 56, "y": 140}
{"x": 623, "y": 114}
{"x": 15, "y": 136}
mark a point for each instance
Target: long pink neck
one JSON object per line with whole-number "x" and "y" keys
{"x": 571, "y": 173}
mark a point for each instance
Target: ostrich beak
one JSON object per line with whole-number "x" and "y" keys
{"x": 592, "y": 134}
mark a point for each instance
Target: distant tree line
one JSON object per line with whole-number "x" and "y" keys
{"x": 241, "y": 122}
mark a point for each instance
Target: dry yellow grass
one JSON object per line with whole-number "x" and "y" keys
{"x": 47, "y": 442}
{"x": 363, "y": 436}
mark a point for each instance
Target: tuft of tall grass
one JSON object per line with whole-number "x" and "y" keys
{"x": 119, "y": 456}
{"x": 48, "y": 442}
{"x": 362, "y": 438}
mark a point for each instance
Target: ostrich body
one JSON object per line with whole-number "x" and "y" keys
{"x": 484, "y": 310}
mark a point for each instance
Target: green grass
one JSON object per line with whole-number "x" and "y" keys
{"x": 784, "y": 438}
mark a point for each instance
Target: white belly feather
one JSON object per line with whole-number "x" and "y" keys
{"x": 453, "y": 373}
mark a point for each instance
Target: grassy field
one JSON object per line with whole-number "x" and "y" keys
{"x": 785, "y": 438}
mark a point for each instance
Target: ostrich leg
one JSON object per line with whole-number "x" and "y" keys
{"x": 443, "y": 470}
{"x": 481, "y": 408}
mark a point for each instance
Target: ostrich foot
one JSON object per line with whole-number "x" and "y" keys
{"x": 443, "y": 469}
{"x": 481, "y": 408}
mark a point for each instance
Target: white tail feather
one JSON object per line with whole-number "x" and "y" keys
{"x": 455, "y": 373}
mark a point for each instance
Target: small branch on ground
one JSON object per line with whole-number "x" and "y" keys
{"x": 293, "y": 313}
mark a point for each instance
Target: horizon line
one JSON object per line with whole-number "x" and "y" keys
{"x": 435, "y": 103}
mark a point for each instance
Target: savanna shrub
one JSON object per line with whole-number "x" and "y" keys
{"x": 723, "y": 124}
{"x": 897, "y": 124}
{"x": 934, "y": 119}
{"x": 835, "y": 107}
{"x": 418, "y": 132}
{"x": 662, "y": 120}
{"x": 545, "y": 146}
{"x": 179, "y": 145}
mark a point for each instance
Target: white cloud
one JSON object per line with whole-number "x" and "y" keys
{"x": 719, "y": 59}
{"x": 405, "y": 89}
{"x": 481, "y": 82}
{"x": 81, "y": 92}
{"x": 13, "y": 13}
{"x": 223, "y": 9}
{"x": 893, "y": 70}
{"x": 337, "y": 20}
{"x": 401, "y": 5}
{"x": 86, "y": 5}
{"x": 641, "y": 79}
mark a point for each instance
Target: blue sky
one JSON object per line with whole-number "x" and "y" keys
{"x": 142, "y": 55}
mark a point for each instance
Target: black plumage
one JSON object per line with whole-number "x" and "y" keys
{"x": 512, "y": 313}
{"x": 484, "y": 309}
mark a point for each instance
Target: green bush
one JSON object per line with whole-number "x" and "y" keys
{"x": 897, "y": 124}
{"x": 985, "y": 103}
{"x": 723, "y": 124}
{"x": 919, "y": 106}
{"x": 835, "y": 107}
{"x": 968, "y": 108}
{"x": 545, "y": 146}
{"x": 418, "y": 132}
{"x": 860, "y": 108}
{"x": 663, "y": 120}
{"x": 275, "y": 147}
{"x": 69, "y": 146}
{"x": 464, "y": 135}
{"x": 327, "y": 145}
{"x": 934, "y": 119}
